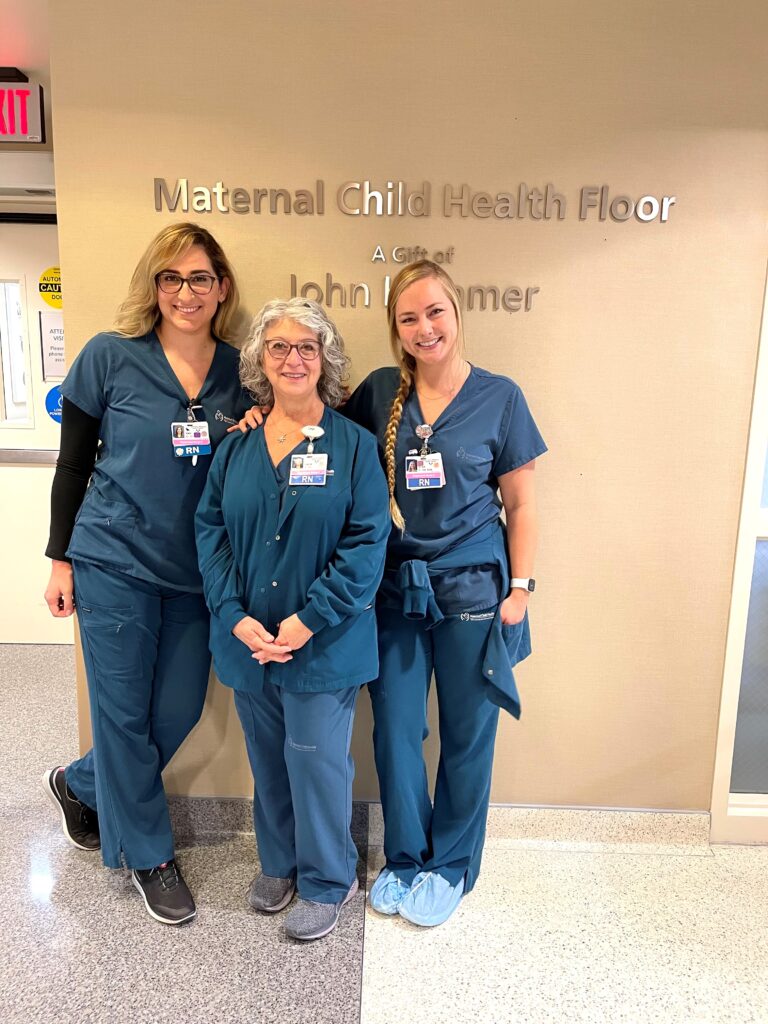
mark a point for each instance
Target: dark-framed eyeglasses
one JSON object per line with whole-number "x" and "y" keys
{"x": 170, "y": 283}
{"x": 279, "y": 349}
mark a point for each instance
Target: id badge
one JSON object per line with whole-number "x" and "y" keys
{"x": 308, "y": 470}
{"x": 190, "y": 439}
{"x": 424, "y": 472}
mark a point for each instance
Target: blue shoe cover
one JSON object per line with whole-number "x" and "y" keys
{"x": 387, "y": 892}
{"x": 431, "y": 900}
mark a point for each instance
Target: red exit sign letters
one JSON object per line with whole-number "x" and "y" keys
{"x": 21, "y": 112}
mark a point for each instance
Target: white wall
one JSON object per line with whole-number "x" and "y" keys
{"x": 26, "y": 250}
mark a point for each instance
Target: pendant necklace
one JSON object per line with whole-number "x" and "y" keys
{"x": 282, "y": 438}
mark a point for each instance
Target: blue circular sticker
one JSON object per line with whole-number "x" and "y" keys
{"x": 53, "y": 402}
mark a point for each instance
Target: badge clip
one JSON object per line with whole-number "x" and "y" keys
{"x": 424, "y": 431}
{"x": 312, "y": 434}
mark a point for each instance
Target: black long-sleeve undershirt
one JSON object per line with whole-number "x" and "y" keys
{"x": 77, "y": 457}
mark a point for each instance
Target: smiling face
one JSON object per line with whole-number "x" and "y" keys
{"x": 185, "y": 311}
{"x": 426, "y": 322}
{"x": 291, "y": 377}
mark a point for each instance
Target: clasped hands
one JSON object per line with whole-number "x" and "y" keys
{"x": 293, "y": 634}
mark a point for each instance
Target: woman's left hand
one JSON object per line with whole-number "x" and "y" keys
{"x": 513, "y": 607}
{"x": 252, "y": 419}
{"x": 293, "y": 633}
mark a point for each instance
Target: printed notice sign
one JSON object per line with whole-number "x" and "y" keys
{"x": 52, "y": 341}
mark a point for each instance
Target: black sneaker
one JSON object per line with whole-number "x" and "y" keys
{"x": 165, "y": 893}
{"x": 79, "y": 822}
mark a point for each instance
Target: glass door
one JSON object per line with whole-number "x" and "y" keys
{"x": 740, "y": 787}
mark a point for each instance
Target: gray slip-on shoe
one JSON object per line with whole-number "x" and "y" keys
{"x": 269, "y": 894}
{"x": 309, "y": 920}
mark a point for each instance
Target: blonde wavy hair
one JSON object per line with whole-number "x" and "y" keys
{"x": 139, "y": 312}
{"x": 407, "y": 364}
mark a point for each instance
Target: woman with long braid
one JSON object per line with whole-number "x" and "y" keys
{"x": 454, "y": 598}
{"x": 455, "y": 592}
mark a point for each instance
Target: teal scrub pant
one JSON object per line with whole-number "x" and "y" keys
{"x": 447, "y": 837}
{"x": 146, "y": 657}
{"x": 298, "y": 746}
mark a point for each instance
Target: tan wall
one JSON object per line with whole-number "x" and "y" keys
{"x": 638, "y": 356}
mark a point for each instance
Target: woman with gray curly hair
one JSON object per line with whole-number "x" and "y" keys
{"x": 291, "y": 535}
{"x": 334, "y": 364}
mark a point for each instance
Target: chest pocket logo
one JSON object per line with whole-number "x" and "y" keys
{"x": 476, "y": 455}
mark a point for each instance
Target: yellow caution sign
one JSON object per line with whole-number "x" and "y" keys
{"x": 50, "y": 287}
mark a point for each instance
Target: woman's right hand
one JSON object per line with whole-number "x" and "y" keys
{"x": 250, "y": 632}
{"x": 253, "y": 418}
{"x": 60, "y": 592}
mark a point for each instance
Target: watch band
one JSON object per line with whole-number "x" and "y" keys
{"x": 523, "y": 583}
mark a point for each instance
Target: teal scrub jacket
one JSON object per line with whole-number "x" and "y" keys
{"x": 270, "y": 551}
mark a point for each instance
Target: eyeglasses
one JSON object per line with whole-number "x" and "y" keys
{"x": 171, "y": 283}
{"x": 279, "y": 349}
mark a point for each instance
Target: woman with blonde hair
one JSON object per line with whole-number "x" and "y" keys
{"x": 144, "y": 407}
{"x": 454, "y": 597}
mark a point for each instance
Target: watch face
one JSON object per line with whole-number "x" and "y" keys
{"x": 531, "y": 586}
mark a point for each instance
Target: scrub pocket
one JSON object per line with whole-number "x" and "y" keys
{"x": 517, "y": 640}
{"x": 103, "y": 532}
{"x": 112, "y": 655}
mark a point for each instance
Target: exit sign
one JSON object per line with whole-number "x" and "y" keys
{"x": 22, "y": 117}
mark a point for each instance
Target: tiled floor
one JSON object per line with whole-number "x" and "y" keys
{"x": 579, "y": 916}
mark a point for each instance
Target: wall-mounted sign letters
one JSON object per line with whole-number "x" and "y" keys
{"x": 398, "y": 199}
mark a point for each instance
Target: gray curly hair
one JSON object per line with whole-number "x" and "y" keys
{"x": 310, "y": 314}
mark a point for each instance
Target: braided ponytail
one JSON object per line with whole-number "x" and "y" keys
{"x": 390, "y": 443}
{"x": 407, "y": 276}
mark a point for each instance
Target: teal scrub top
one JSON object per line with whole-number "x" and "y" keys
{"x": 452, "y": 558}
{"x": 487, "y": 430}
{"x": 138, "y": 512}
{"x": 269, "y": 549}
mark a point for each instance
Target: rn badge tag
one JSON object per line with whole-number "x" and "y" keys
{"x": 308, "y": 470}
{"x": 190, "y": 439}
{"x": 424, "y": 472}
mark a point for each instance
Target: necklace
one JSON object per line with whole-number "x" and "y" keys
{"x": 282, "y": 438}
{"x": 451, "y": 391}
